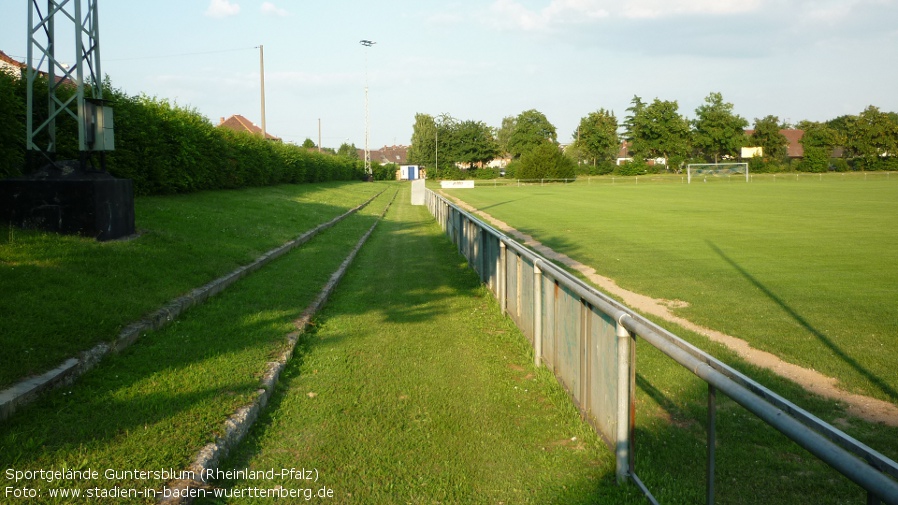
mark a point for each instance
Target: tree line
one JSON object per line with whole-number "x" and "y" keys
{"x": 655, "y": 137}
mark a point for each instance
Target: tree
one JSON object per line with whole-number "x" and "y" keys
{"x": 545, "y": 161}
{"x": 309, "y": 144}
{"x": 12, "y": 126}
{"x": 768, "y": 137}
{"x": 630, "y": 122}
{"x": 348, "y": 151}
{"x": 504, "y": 133}
{"x": 422, "y": 150}
{"x": 531, "y": 130}
{"x": 658, "y": 130}
{"x": 818, "y": 141}
{"x": 474, "y": 143}
{"x": 596, "y": 137}
{"x": 717, "y": 132}
{"x": 870, "y": 138}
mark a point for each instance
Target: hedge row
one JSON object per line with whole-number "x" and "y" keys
{"x": 165, "y": 148}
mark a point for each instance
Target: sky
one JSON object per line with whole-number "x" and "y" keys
{"x": 484, "y": 60}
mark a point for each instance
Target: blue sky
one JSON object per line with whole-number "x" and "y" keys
{"x": 487, "y": 59}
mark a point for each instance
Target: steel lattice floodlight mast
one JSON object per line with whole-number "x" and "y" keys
{"x": 367, "y": 43}
{"x": 94, "y": 120}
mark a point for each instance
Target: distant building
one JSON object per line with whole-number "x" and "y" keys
{"x": 387, "y": 154}
{"x": 14, "y": 67}
{"x": 239, "y": 123}
{"x": 794, "y": 149}
{"x": 410, "y": 173}
{"x": 624, "y": 156}
{"x": 10, "y": 65}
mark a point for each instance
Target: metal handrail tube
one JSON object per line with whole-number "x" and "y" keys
{"x": 845, "y": 441}
{"x": 614, "y": 309}
{"x": 860, "y": 463}
{"x": 843, "y": 461}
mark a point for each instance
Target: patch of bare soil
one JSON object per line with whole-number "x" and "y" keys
{"x": 864, "y": 407}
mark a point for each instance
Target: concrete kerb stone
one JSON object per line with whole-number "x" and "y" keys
{"x": 238, "y": 424}
{"x": 29, "y": 389}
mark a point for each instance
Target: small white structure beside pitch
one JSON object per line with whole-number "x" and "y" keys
{"x": 457, "y": 184}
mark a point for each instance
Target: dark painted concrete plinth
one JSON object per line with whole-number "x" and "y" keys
{"x": 88, "y": 204}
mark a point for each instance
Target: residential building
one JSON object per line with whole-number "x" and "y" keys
{"x": 387, "y": 154}
{"x": 239, "y": 123}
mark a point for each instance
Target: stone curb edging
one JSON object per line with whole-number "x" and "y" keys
{"x": 237, "y": 426}
{"x": 29, "y": 389}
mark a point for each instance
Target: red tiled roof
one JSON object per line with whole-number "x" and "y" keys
{"x": 794, "y": 149}
{"x": 6, "y": 59}
{"x": 239, "y": 123}
{"x": 10, "y": 62}
{"x": 387, "y": 154}
{"x": 624, "y": 150}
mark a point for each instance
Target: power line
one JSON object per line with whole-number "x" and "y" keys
{"x": 159, "y": 56}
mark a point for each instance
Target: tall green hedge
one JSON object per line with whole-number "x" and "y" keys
{"x": 12, "y": 123}
{"x": 165, "y": 148}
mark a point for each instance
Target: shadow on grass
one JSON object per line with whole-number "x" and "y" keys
{"x": 62, "y": 295}
{"x": 754, "y": 462}
{"x": 158, "y": 402}
{"x": 499, "y": 203}
{"x": 822, "y": 337}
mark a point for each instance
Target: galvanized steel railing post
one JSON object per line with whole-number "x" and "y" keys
{"x": 623, "y": 454}
{"x": 585, "y": 361}
{"x": 478, "y": 253}
{"x": 537, "y": 314}
{"x": 712, "y": 439}
{"x": 503, "y": 277}
{"x": 518, "y": 302}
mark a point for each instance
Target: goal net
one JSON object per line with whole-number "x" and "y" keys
{"x": 705, "y": 170}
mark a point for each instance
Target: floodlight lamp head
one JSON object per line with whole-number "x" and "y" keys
{"x": 367, "y": 43}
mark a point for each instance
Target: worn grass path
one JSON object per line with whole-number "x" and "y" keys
{"x": 412, "y": 388}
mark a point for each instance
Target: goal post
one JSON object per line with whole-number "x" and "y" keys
{"x": 706, "y": 170}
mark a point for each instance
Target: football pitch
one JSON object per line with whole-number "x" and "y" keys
{"x": 804, "y": 267}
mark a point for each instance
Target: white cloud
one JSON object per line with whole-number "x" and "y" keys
{"x": 511, "y": 13}
{"x": 222, "y": 8}
{"x": 639, "y": 9}
{"x": 271, "y": 9}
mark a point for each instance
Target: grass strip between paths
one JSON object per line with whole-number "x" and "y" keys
{"x": 140, "y": 416}
{"x": 236, "y": 427}
{"x": 28, "y": 389}
{"x": 412, "y": 388}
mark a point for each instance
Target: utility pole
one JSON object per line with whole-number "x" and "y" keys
{"x": 367, "y": 43}
{"x": 262, "y": 74}
{"x": 319, "y": 135}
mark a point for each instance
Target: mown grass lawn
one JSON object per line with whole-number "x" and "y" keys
{"x": 414, "y": 389}
{"x": 60, "y": 295}
{"x": 155, "y": 405}
{"x": 410, "y": 388}
{"x": 801, "y": 267}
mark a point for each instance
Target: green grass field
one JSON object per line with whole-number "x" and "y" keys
{"x": 60, "y": 295}
{"x": 804, "y": 266}
{"x": 421, "y": 392}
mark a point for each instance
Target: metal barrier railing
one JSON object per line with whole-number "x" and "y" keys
{"x": 588, "y": 340}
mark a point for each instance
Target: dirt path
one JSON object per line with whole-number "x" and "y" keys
{"x": 864, "y": 407}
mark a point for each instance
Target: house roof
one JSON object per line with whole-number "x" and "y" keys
{"x": 239, "y": 123}
{"x": 794, "y": 149}
{"x": 624, "y": 150}
{"x": 387, "y": 154}
{"x": 8, "y": 62}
